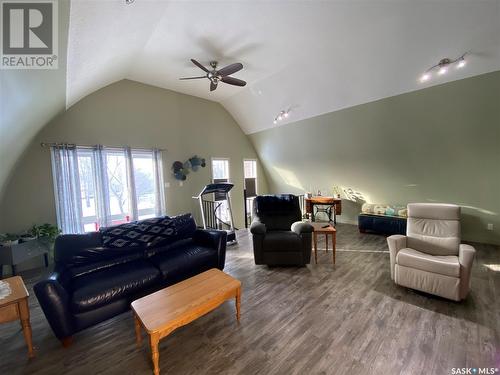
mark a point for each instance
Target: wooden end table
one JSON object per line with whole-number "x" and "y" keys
{"x": 327, "y": 230}
{"x": 15, "y": 306}
{"x": 162, "y": 312}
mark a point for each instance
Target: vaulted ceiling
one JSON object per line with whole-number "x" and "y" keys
{"x": 311, "y": 56}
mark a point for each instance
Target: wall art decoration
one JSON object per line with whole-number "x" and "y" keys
{"x": 180, "y": 170}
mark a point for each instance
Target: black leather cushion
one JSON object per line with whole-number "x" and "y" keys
{"x": 282, "y": 241}
{"x": 184, "y": 260}
{"x": 80, "y": 269}
{"x": 185, "y": 226}
{"x": 103, "y": 287}
{"x": 139, "y": 233}
{"x": 277, "y": 212}
{"x": 67, "y": 245}
{"x": 275, "y": 204}
{"x": 102, "y": 254}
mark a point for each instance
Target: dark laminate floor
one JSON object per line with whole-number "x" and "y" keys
{"x": 316, "y": 320}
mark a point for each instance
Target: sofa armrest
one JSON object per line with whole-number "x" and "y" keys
{"x": 396, "y": 243}
{"x": 300, "y": 227}
{"x": 466, "y": 255}
{"x": 54, "y": 300}
{"x": 258, "y": 228}
{"x": 216, "y": 239}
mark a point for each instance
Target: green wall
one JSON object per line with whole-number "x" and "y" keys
{"x": 440, "y": 144}
{"x": 29, "y": 99}
{"x": 139, "y": 115}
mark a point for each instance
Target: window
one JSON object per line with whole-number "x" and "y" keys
{"x": 250, "y": 174}
{"x": 220, "y": 170}
{"x": 220, "y": 173}
{"x": 113, "y": 186}
{"x": 144, "y": 175}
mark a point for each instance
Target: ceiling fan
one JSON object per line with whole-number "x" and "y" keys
{"x": 222, "y": 75}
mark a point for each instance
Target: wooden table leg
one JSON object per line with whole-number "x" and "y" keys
{"x": 24, "y": 314}
{"x": 334, "y": 244}
{"x": 138, "y": 335}
{"x": 315, "y": 239}
{"x": 154, "y": 339}
{"x": 238, "y": 304}
{"x": 326, "y": 240}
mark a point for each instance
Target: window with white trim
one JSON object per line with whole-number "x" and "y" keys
{"x": 220, "y": 173}
{"x": 104, "y": 186}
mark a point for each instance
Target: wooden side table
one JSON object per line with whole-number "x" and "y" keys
{"x": 327, "y": 230}
{"x": 15, "y": 306}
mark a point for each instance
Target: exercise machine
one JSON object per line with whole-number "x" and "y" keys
{"x": 210, "y": 209}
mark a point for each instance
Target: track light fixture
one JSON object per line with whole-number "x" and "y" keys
{"x": 442, "y": 67}
{"x": 282, "y": 115}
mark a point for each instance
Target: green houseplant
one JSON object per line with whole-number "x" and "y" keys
{"x": 9, "y": 239}
{"x": 45, "y": 231}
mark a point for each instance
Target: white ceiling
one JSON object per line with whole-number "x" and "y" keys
{"x": 311, "y": 56}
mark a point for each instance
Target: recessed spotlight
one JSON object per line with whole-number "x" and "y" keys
{"x": 442, "y": 70}
{"x": 425, "y": 77}
{"x": 461, "y": 63}
{"x": 282, "y": 115}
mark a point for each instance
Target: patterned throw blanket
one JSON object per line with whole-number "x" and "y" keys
{"x": 138, "y": 233}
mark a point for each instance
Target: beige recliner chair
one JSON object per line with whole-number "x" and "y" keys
{"x": 430, "y": 257}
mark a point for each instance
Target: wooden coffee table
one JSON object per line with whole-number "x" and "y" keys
{"x": 162, "y": 312}
{"x": 15, "y": 306}
{"x": 327, "y": 231}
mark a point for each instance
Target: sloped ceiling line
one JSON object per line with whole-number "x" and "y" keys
{"x": 321, "y": 56}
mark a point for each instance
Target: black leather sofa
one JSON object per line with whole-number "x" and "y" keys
{"x": 279, "y": 237}
{"x": 97, "y": 275}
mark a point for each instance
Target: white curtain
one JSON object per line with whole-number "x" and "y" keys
{"x": 159, "y": 191}
{"x": 68, "y": 192}
{"x": 101, "y": 187}
{"x": 134, "y": 215}
{"x": 67, "y": 188}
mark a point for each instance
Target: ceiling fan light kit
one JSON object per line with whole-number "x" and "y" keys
{"x": 222, "y": 75}
{"x": 442, "y": 67}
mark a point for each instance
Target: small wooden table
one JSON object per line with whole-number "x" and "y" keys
{"x": 327, "y": 231}
{"x": 15, "y": 306}
{"x": 162, "y": 312}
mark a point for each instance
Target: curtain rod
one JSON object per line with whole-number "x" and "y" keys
{"x": 53, "y": 144}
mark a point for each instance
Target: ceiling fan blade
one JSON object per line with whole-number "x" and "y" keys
{"x": 230, "y": 69}
{"x": 213, "y": 86}
{"x": 193, "y": 77}
{"x": 199, "y": 65}
{"x": 233, "y": 81}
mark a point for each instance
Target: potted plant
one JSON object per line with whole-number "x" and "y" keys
{"x": 29, "y": 235}
{"x": 9, "y": 239}
{"x": 45, "y": 231}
